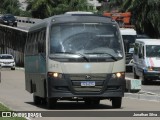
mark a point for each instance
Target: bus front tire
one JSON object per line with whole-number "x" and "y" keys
{"x": 116, "y": 102}
{"x": 51, "y": 102}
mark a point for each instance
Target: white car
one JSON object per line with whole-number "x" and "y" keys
{"x": 7, "y": 60}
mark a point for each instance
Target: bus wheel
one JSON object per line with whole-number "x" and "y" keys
{"x": 36, "y": 100}
{"x": 51, "y": 102}
{"x": 116, "y": 102}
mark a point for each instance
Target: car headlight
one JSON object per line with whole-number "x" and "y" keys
{"x": 150, "y": 69}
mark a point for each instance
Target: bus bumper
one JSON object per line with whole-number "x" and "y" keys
{"x": 104, "y": 89}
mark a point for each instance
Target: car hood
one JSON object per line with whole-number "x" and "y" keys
{"x": 6, "y": 60}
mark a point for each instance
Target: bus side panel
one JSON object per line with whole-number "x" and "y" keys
{"x": 35, "y": 68}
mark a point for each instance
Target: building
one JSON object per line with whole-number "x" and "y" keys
{"x": 94, "y": 3}
{"x": 23, "y": 4}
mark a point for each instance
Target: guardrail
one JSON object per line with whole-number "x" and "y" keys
{"x": 27, "y": 19}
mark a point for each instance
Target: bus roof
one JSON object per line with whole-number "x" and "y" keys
{"x": 79, "y": 12}
{"x": 128, "y": 31}
{"x": 72, "y": 18}
{"x": 149, "y": 41}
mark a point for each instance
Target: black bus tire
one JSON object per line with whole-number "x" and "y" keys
{"x": 51, "y": 103}
{"x": 116, "y": 102}
{"x": 36, "y": 100}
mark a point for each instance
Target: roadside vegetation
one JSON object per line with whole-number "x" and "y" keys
{"x": 145, "y": 13}
{"x": 5, "y": 109}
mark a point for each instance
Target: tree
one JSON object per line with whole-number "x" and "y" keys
{"x": 146, "y": 13}
{"x": 10, "y": 6}
{"x": 40, "y": 8}
{"x": 47, "y": 8}
{"x": 110, "y": 5}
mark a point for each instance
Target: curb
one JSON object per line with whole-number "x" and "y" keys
{"x": 143, "y": 96}
{"x": 19, "y": 68}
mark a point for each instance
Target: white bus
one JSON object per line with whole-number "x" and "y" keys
{"x": 129, "y": 36}
{"x": 75, "y": 57}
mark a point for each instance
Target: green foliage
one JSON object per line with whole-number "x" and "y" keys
{"x": 47, "y": 8}
{"x": 10, "y": 6}
{"x": 110, "y": 5}
{"x": 3, "y": 108}
{"x": 146, "y": 15}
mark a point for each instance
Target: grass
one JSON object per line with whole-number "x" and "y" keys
{"x": 3, "y": 108}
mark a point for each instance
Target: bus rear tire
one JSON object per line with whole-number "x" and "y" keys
{"x": 51, "y": 102}
{"x": 36, "y": 100}
{"x": 116, "y": 102}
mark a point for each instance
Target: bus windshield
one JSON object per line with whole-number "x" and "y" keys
{"x": 129, "y": 41}
{"x": 86, "y": 39}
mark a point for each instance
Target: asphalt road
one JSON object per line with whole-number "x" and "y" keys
{"x": 13, "y": 95}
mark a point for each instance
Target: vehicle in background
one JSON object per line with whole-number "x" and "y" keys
{"x": 128, "y": 33}
{"x": 142, "y": 36}
{"x": 129, "y": 36}
{"x": 70, "y": 58}
{"x": 146, "y": 59}
{"x": 8, "y": 19}
{"x": 7, "y": 61}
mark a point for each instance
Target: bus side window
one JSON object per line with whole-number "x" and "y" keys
{"x": 41, "y": 42}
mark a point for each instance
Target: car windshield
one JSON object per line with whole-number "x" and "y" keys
{"x": 9, "y": 17}
{"x": 86, "y": 38}
{"x": 6, "y": 57}
{"x": 153, "y": 51}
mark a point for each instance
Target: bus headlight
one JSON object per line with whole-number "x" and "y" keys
{"x": 118, "y": 75}
{"x": 55, "y": 74}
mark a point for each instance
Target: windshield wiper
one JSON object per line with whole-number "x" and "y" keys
{"x": 113, "y": 57}
{"x": 81, "y": 55}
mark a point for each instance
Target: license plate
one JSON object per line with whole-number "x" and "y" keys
{"x": 87, "y": 83}
{"x": 6, "y": 63}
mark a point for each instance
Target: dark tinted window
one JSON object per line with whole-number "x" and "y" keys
{"x": 6, "y": 57}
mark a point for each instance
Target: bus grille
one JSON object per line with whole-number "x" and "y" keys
{"x": 78, "y": 88}
{"x": 77, "y": 79}
{"x": 84, "y": 76}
